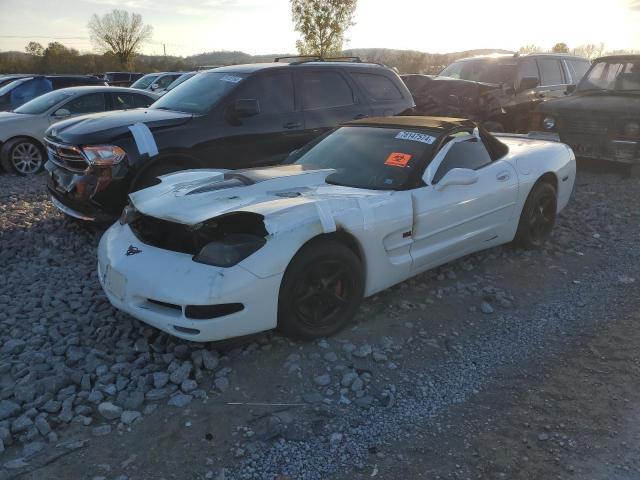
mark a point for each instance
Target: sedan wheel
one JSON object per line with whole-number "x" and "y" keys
{"x": 26, "y": 158}
{"x": 321, "y": 290}
{"x": 538, "y": 216}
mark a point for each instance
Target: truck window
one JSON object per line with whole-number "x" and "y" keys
{"x": 551, "y": 71}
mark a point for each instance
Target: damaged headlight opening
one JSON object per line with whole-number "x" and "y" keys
{"x": 230, "y": 250}
{"x": 104, "y": 155}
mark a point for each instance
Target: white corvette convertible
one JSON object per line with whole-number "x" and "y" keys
{"x": 212, "y": 254}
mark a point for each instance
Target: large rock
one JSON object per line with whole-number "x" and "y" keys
{"x": 181, "y": 373}
{"x": 8, "y": 409}
{"x": 109, "y": 411}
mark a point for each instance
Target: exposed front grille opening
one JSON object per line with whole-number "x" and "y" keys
{"x": 67, "y": 157}
{"x": 207, "y": 312}
{"x": 188, "y": 331}
{"x": 191, "y": 239}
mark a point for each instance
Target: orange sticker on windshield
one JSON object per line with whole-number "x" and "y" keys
{"x": 398, "y": 159}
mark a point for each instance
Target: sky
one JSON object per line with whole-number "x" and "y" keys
{"x": 188, "y": 27}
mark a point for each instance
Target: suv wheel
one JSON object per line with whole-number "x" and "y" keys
{"x": 149, "y": 177}
{"x": 26, "y": 157}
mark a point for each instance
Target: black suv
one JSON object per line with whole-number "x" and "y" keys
{"x": 501, "y": 90}
{"x": 24, "y": 88}
{"x": 601, "y": 117}
{"x": 231, "y": 117}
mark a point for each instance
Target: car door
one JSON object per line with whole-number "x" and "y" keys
{"x": 553, "y": 81}
{"x": 81, "y": 105}
{"x": 267, "y": 137}
{"x": 454, "y": 220}
{"x": 327, "y": 99}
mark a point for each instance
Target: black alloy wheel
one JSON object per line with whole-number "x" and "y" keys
{"x": 538, "y": 216}
{"x": 321, "y": 290}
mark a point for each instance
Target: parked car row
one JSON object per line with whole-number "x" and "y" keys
{"x": 22, "y": 130}
{"x": 279, "y": 195}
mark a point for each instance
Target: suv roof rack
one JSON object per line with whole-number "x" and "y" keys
{"x": 316, "y": 58}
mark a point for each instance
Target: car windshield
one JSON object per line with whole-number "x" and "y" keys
{"x": 201, "y": 93}
{"x": 43, "y": 103}
{"x": 482, "y": 70}
{"x": 11, "y": 85}
{"x": 618, "y": 76}
{"x": 145, "y": 81}
{"x": 374, "y": 158}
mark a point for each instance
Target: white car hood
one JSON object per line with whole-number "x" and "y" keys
{"x": 194, "y": 196}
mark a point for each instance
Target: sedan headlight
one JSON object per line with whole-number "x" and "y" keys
{"x": 104, "y": 155}
{"x": 230, "y": 250}
{"x": 549, "y": 123}
{"x": 632, "y": 129}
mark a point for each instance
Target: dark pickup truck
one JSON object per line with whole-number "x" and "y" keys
{"x": 500, "y": 91}
{"x": 600, "y": 119}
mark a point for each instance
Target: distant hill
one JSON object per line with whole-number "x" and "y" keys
{"x": 70, "y": 61}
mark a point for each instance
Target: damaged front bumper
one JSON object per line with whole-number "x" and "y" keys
{"x": 89, "y": 195}
{"x": 171, "y": 292}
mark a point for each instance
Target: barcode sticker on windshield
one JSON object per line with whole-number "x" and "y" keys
{"x": 231, "y": 79}
{"x": 416, "y": 137}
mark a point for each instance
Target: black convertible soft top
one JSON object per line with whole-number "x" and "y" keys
{"x": 444, "y": 126}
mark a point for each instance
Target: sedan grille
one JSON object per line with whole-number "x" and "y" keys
{"x": 66, "y": 156}
{"x": 596, "y": 126}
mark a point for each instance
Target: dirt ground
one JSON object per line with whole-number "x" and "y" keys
{"x": 543, "y": 386}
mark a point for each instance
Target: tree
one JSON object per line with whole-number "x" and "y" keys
{"x": 560, "y": 48}
{"x": 530, "y": 49}
{"x": 35, "y": 49}
{"x": 119, "y": 33}
{"x": 322, "y": 24}
{"x": 589, "y": 50}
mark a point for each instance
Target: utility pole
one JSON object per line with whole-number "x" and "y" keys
{"x": 164, "y": 48}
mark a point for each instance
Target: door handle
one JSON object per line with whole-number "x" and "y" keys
{"x": 503, "y": 176}
{"x": 360, "y": 115}
{"x": 290, "y": 125}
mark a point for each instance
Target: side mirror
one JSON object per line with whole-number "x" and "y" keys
{"x": 246, "y": 107}
{"x": 458, "y": 176}
{"x": 528, "y": 83}
{"x": 154, "y": 87}
{"x": 61, "y": 113}
{"x": 570, "y": 89}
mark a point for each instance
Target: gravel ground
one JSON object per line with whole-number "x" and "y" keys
{"x": 74, "y": 373}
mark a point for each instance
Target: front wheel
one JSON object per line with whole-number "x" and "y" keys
{"x": 321, "y": 290}
{"x": 149, "y": 177}
{"x": 538, "y": 217}
{"x": 26, "y": 157}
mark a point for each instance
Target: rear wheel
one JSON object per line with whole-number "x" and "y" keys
{"x": 321, "y": 290}
{"x": 538, "y": 217}
{"x": 26, "y": 157}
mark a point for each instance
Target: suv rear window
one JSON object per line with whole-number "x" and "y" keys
{"x": 379, "y": 87}
{"x": 324, "y": 90}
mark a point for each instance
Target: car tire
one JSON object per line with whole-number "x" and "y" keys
{"x": 149, "y": 176}
{"x": 538, "y": 217}
{"x": 321, "y": 290}
{"x": 25, "y": 157}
